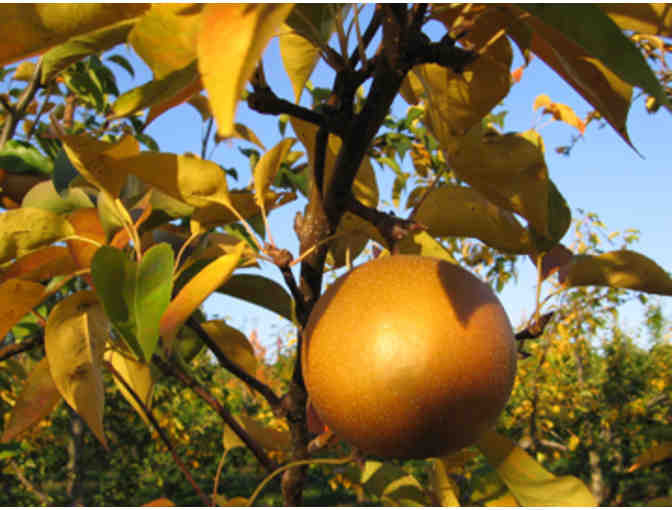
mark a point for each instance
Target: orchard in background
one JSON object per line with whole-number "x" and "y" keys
{"x": 109, "y": 247}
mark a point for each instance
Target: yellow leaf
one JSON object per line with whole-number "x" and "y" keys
{"x": 231, "y": 41}
{"x": 192, "y": 180}
{"x": 421, "y": 243}
{"x": 161, "y": 94}
{"x": 25, "y": 71}
{"x": 505, "y": 500}
{"x": 238, "y": 501}
{"x": 444, "y": 488}
{"x": 527, "y": 480}
{"x": 36, "y": 401}
{"x": 645, "y": 18}
{"x": 27, "y": 229}
{"x": 268, "y": 167}
{"x": 299, "y": 56}
{"x": 17, "y": 298}
{"x": 96, "y": 161}
{"x": 233, "y": 343}
{"x": 652, "y": 456}
{"x": 74, "y": 340}
{"x": 138, "y": 376}
{"x": 196, "y": 291}
{"x": 268, "y": 437}
{"x": 165, "y": 37}
{"x": 244, "y": 203}
{"x": 559, "y": 111}
{"x": 458, "y": 211}
{"x": 411, "y": 88}
{"x": 30, "y": 29}
{"x": 245, "y": 133}
{"x": 621, "y": 269}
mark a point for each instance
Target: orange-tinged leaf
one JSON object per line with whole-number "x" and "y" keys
{"x": 196, "y": 291}
{"x": 17, "y": 298}
{"x": 230, "y": 43}
{"x": 87, "y": 224}
{"x": 30, "y": 29}
{"x": 559, "y": 111}
{"x": 27, "y": 229}
{"x": 41, "y": 265}
{"x": 138, "y": 375}
{"x": 266, "y": 169}
{"x": 645, "y": 18}
{"x": 621, "y": 269}
{"x": 165, "y": 37}
{"x": 96, "y": 161}
{"x": 458, "y": 211}
{"x": 527, "y": 480}
{"x": 74, "y": 340}
{"x": 159, "y": 94}
{"x": 233, "y": 343}
{"x": 36, "y": 401}
{"x": 160, "y": 502}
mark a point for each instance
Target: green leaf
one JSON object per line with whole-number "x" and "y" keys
{"x": 591, "y": 28}
{"x": 44, "y": 196}
{"x": 260, "y": 291}
{"x": 122, "y": 62}
{"x": 78, "y": 47}
{"x": 26, "y": 229}
{"x": 620, "y": 269}
{"x": 19, "y": 157}
{"x": 74, "y": 340}
{"x": 64, "y": 172}
{"x": 135, "y": 296}
{"x": 527, "y": 480}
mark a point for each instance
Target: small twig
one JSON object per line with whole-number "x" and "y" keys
{"x": 28, "y": 344}
{"x": 391, "y": 227}
{"x": 172, "y": 370}
{"x": 234, "y": 368}
{"x": 40, "y": 112}
{"x": 283, "y": 260}
{"x": 370, "y": 31}
{"x": 44, "y": 498}
{"x": 206, "y": 138}
{"x": 150, "y": 415}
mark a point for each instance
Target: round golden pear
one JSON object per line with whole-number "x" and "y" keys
{"x": 408, "y": 357}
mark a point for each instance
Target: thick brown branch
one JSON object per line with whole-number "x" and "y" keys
{"x": 150, "y": 415}
{"x": 264, "y": 100}
{"x": 172, "y": 370}
{"x": 233, "y": 367}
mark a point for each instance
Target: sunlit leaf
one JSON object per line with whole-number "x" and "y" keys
{"x": 160, "y": 502}
{"x": 261, "y": 291}
{"x": 527, "y": 480}
{"x": 74, "y": 340}
{"x": 165, "y": 37}
{"x": 37, "y": 400}
{"x": 269, "y": 438}
{"x": 444, "y": 488}
{"x": 392, "y": 484}
{"x": 559, "y": 111}
{"x": 196, "y": 291}
{"x": 80, "y": 46}
{"x": 44, "y": 196}
{"x": 602, "y": 39}
{"x": 645, "y": 18}
{"x": 233, "y": 344}
{"x": 17, "y": 298}
{"x": 134, "y": 295}
{"x": 97, "y": 161}
{"x": 32, "y": 28}
{"x": 20, "y": 157}
{"x": 245, "y": 133}
{"x": 87, "y": 225}
{"x": 421, "y": 243}
{"x": 26, "y": 229}
{"x": 267, "y": 167}
{"x": 40, "y": 265}
{"x": 621, "y": 269}
{"x": 463, "y": 212}
{"x": 138, "y": 376}
{"x": 182, "y": 83}
{"x": 230, "y": 42}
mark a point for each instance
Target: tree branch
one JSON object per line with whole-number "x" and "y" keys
{"x": 370, "y": 31}
{"x": 391, "y": 227}
{"x": 172, "y": 370}
{"x": 16, "y": 114}
{"x": 234, "y": 368}
{"x": 263, "y": 100}
{"x": 13, "y": 349}
{"x": 150, "y": 415}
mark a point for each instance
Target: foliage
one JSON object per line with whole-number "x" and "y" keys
{"x": 108, "y": 251}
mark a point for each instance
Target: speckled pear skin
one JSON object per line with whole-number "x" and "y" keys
{"x": 409, "y": 357}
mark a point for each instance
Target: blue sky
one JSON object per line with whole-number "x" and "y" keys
{"x": 602, "y": 175}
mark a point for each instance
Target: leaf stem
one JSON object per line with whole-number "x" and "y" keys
{"x": 150, "y": 415}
